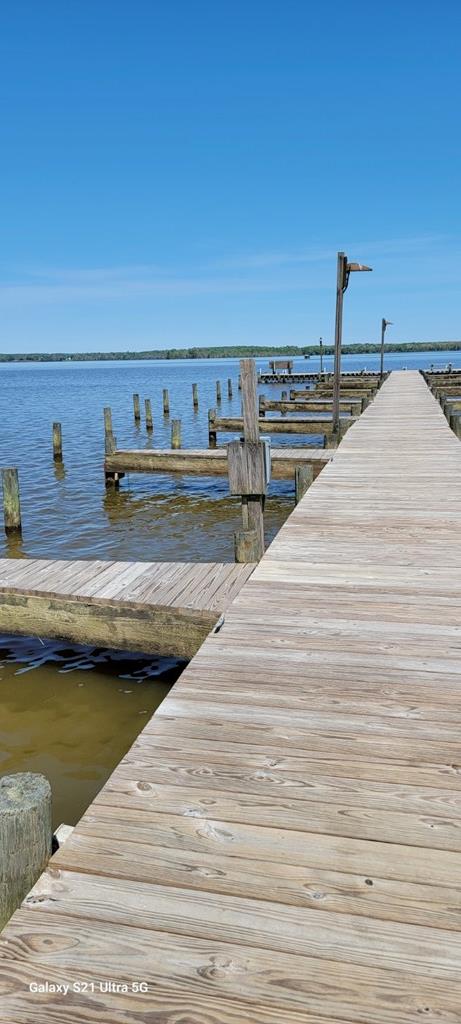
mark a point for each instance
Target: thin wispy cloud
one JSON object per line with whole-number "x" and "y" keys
{"x": 236, "y": 274}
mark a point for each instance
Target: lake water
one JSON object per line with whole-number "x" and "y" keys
{"x": 72, "y": 713}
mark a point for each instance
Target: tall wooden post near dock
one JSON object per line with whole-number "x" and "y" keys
{"x": 229, "y": 387}
{"x": 195, "y": 396}
{"x": 11, "y": 500}
{"x": 109, "y": 439}
{"x": 136, "y": 409}
{"x": 247, "y": 468}
{"x": 166, "y": 402}
{"x": 218, "y": 391}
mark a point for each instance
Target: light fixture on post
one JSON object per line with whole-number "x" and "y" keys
{"x": 384, "y": 324}
{"x": 342, "y": 280}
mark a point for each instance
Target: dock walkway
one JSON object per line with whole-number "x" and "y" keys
{"x": 282, "y": 843}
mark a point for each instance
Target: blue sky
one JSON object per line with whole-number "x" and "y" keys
{"x": 183, "y": 173}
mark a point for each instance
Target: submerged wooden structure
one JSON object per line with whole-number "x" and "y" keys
{"x": 154, "y": 607}
{"x": 282, "y": 843}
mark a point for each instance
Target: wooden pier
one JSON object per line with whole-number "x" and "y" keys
{"x": 282, "y": 843}
{"x": 211, "y": 461}
{"x": 154, "y": 607}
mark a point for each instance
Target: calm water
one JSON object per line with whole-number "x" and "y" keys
{"x": 72, "y": 713}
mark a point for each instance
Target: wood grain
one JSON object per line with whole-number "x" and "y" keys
{"x": 282, "y": 842}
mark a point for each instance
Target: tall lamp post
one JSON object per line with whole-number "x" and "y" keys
{"x": 342, "y": 280}
{"x": 384, "y": 324}
{"x": 321, "y": 355}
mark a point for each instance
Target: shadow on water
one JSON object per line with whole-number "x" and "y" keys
{"x": 72, "y": 713}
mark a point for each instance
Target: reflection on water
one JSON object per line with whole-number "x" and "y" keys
{"x": 72, "y": 713}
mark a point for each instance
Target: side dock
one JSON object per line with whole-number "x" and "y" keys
{"x": 154, "y": 607}
{"x": 282, "y": 843}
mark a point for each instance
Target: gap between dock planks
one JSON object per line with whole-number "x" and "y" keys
{"x": 282, "y": 842}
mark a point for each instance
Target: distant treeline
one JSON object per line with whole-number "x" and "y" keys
{"x": 225, "y": 351}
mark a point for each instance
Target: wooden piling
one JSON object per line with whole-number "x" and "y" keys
{"x": 218, "y": 391}
{"x": 149, "y": 417}
{"x": 176, "y": 433}
{"x": 57, "y": 442}
{"x": 136, "y": 409}
{"x": 284, "y": 396}
{"x": 229, "y": 387}
{"x": 11, "y": 500}
{"x": 25, "y": 837}
{"x": 246, "y": 467}
{"x": 195, "y": 396}
{"x": 246, "y": 546}
{"x": 109, "y": 439}
{"x": 211, "y": 428}
{"x": 240, "y": 382}
{"x": 455, "y": 423}
{"x": 166, "y": 402}
{"x": 304, "y": 477}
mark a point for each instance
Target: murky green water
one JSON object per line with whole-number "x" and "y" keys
{"x": 72, "y": 713}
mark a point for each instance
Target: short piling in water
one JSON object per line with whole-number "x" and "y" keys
{"x": 176, "y": 433}
{"x": 239, "y": 385}
{"x": 166, "y": 402}
{"x": 229, "y": 387}
{"x": 304, "y": 477}
{"x": 11, "y": 500}
{"x": 57, "y": 442}
{"x": 136, "y": 409}
{"x": 218, "y": 390}
{"x": 211, "y": 428}
{"x": 195, "y": 396}
{"x": 149, "y": 417}
{"x": 25, "y": 837}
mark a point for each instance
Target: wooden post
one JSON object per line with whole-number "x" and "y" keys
{"x": 11, "y": 501}
{"x": 211, "y": 430}
{"x": 136, "y": 409}
{"x": 455, "y": 423}
{"x": 246, "y": 546}
{"x": 218, "y": 391}
{"x": 149, "y": 419}
{"x": 166, "y": 402}
{"x": 25, "y": 837}
{"x": 262, "y": 406}
{"x": 284, "y": 396}
{"x": 229, "y": 387}
{"x": 195, "y": 396}
{"x": 109, "y": 439}
{"x": 57, "y": 442}
{"x": 247, "y": 470}
{"x": 240, "y": 382}
{"x": 176, "y": 433}
{"x": 304, "y": 477}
